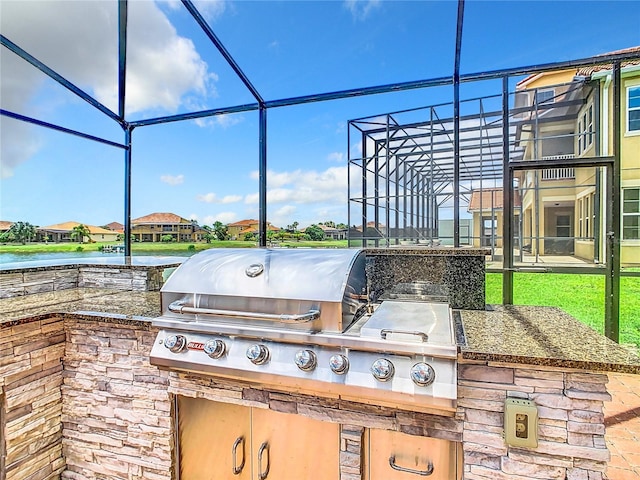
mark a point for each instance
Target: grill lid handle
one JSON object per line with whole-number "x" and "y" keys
{"x": 181, "y": 307}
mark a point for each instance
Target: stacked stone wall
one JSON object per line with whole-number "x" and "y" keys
{"x": 39, "y": 280}
{"x": 571, "y": 442}
{"x": 107, "y": 413}
{"x": 116, "y": 410}
{"x": 30, "y": 394}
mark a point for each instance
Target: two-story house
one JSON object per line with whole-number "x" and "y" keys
{"x": 152, "y": 227}
{"x": 238, "y": 230}
{"x": 569, "y": 114}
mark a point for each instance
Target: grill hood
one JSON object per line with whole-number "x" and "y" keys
{"x": 308, "y": 289}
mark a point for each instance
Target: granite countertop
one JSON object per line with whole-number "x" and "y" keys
{"x": 98, "y": 303}
{"x": 545, "y": 336}
{"x": 142, "y": 262}
{"x": 426, "y": 250}
{"x": 541, "y": 336}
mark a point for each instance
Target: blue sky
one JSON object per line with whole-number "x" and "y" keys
{"x": 207, "y": 169}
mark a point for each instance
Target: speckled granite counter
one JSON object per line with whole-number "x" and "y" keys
{"x": 97, "y": 303}
{"x": 543, "y": 336}
{"x": 457, "y": 272}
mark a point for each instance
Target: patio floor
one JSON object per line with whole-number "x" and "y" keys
{"x": 622, "y": 420}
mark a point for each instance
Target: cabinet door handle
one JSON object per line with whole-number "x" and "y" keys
{"x": 422, "y": 473}
{"x": 262, "y": 474}
{"x": 237, "y": 469}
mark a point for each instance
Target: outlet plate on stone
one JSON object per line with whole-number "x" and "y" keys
{"x": 520, "y": 423}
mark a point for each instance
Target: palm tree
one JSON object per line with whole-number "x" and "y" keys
{"x": 22, "y": 231}
{"x": 79, "y": 232}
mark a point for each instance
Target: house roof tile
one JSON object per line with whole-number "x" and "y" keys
{"x": 68, "y": 226}
{"x": 490, "y": 198}
{"x": 244, "y": 223}
{"x": 115, "y": 226}
{"x": 160, "y": 218}
{"x": 5, "y": 225}
{"x": 590, "y": 70}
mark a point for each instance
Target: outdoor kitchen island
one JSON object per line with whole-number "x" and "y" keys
{"x": 80, "y": 399}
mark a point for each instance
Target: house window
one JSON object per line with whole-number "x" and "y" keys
{"x": 631, "y": 213}
{"x": 580, "y": 220}
{"x": 586, "y": 216}
{"x": 633, "y": 109}
{"x": 585, "y": 130}
{"x": 545, "y": 96}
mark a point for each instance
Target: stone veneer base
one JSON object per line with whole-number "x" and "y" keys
{"x": 81, "y": 401}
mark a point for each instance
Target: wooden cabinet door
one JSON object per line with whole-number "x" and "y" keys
{"x": 294, "y": 447}
{"x": 412, "y": 457}
{"x": 214, "y": 438}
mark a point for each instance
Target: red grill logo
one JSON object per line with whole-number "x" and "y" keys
{"x": 195, "y": 346}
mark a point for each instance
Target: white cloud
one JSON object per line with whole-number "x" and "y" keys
{"x": 172, "y": 179}
{"x": 224, "y": 121}
{"x": 224, "y": 217}
{"x": 283, "y": 216}
{"x": 336, "y": 157}
{"x": 304, "y": 187}
{"x": 79, "y": 41}
{"x": 360, "y": 9}
{"x": 211, "y": 10}
{"x": 18, "y": 143}
{"x": 213, "y": 198}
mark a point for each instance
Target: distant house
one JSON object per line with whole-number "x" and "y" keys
{"x": 114, "y": 226}
{"x": 152, "y": 227}
{"x": 486, "y": 207}
{"x": 334, "y": 233}
{"x": 238, "y": 230}
{"x": 5, "y": 226}
{"x": 61, "y": 232}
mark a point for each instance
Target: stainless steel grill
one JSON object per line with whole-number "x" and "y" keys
{"x": 300, "y": 320}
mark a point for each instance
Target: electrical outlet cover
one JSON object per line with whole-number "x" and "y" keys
{"x": 520, "y": 423}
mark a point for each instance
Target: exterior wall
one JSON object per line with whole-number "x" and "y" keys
{"x": 29, "y": 281}
{"x": 630, "y": 167}
{"x": 571, "y": 442}
{"x": 117, "y": 416}
{"x": 181, "y": 232}
{"x": 30, "y": 399}
{"x": 104, "y": 237}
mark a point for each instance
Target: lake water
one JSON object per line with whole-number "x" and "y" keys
{"x": 13, "y": 258}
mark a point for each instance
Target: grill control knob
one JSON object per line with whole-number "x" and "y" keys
{"x": 258, "y": 354}
{"x": 306, "y": 360}
{"x": 175, "y": 343}
{"x": 339, "y": 364}
{"x": 215, "y": 348}
{"x": 423, "y": 374}
{"x": 382, "y": 369}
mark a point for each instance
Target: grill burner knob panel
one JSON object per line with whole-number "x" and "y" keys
{"x": 339, "y": 364}
{"x": 258, "y": 354}
{"x": 423, "y": 374}
{"x": 175, "y": 343}
{"x": 215, "y": 348}
{"x": 382, "y": 369}
{"x": 306, "y": 360}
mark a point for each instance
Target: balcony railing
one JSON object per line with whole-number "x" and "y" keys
{"x": 558, "y": 173}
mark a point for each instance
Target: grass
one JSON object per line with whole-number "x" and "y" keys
{"x": 159, "y": 248}
{"x": 581, "y": 296}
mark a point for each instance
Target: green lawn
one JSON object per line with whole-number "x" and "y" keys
{"x": 582, "y": 296}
